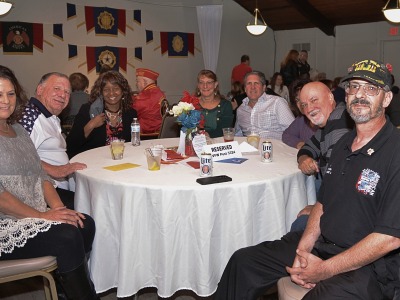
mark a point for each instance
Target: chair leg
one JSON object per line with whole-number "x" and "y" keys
{"x": 50, "y": 289}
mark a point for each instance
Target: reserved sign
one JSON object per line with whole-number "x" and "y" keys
{"x": 222, "y": 151}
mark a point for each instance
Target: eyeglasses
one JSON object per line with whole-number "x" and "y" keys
{"x": 352, "y": 88}
{"x": 206, "y": 83}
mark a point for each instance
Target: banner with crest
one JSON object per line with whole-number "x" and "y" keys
{"x": 21, "y": 37}
{"x": 117, "y": 58}
{"x": 114, "y": 57}
{"x": 105, "y": 20}
{"x": 177, "y": 44}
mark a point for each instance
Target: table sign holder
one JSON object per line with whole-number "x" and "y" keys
{"x": 223, "y": 151}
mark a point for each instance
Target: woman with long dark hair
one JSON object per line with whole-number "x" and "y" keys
{"x": 108, "y": 116}
{"x": 289, "y": 67}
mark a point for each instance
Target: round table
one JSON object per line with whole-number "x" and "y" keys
{"x": 162, "y": 229}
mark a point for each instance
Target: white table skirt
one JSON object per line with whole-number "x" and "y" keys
{"x": 162, "y": 229}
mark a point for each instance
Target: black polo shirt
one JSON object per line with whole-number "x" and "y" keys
{"x": 361, "y": 190}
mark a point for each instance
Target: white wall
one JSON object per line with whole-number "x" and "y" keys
{"x": 333, "y": 55}
{"x": 328, "y": 54}
{"x": 177, "y": 74}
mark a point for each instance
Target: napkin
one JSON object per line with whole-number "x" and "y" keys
{"x": 246, "y": 147}
{"x": 172, "y": 155}
{"x": 233, "y": 160}
{"x": 121, "y": 167}
{"x": 194, "y": 164}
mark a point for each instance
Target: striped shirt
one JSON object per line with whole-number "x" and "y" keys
{"x": 269, "y": 117}
{"x": 320, "y": 145}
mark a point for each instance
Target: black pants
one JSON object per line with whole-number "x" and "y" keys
{"x": 251, "y": 271}
{"x": 66, "y": 242}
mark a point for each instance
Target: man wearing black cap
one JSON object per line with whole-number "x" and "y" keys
{"x": 349, "y": 249}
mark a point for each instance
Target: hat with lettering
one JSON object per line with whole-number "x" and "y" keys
{"x": 147, "y": 73}
{"x": 372, "y": 71}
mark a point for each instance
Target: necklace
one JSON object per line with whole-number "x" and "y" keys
{"x": 112, "y": 115}
{"x": 7, "y": 128}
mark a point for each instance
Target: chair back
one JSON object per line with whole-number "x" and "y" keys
{"x": 164, "y": 107}
{"x": 169, "y": 127}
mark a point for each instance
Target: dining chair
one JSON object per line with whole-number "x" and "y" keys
{"x": 164, "y": 109}
{"x": 169, "y": 127}
{"x": 288, "y": 290}
{"x": 17, "y": 269}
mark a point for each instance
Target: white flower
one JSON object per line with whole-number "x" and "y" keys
{"x": 182, "y": 107}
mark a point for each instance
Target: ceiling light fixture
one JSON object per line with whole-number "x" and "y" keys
{"x": 257, "y": 29}
{"x": 4, "y": 7}
{"x": 392, "y": 11}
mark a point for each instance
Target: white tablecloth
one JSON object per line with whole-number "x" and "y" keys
{"x": 162, "y": 229}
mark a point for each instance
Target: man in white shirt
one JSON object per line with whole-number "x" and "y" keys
{"x": 41, "y": 120}
{"x": 264, "y": 114}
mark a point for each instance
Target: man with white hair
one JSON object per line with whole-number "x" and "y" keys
{"x": 40, "y": 119}
{"x": 148, "y": 101}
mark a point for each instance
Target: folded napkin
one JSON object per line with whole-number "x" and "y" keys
{"x": 172, "y": 155}
{"x": 246, "y": 147}
{"x": 194, "y": 164}
{"x": 121, "y": 167}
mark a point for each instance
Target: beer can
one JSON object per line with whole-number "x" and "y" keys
{"x": 266, "y": 151}
{"x": 206, "y": 165}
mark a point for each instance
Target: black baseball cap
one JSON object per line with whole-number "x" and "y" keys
{"x": 372, "y": 71}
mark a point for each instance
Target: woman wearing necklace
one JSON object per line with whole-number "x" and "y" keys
{"x": 31, "y": 207}
{"x": 217, "y": 111}
{"x": 108, "y": 116}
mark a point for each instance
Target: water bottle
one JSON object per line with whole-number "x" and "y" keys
{"x": 135, "y": 131}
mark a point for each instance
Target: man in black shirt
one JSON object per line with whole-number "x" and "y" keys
{"x": 349, "y": 249}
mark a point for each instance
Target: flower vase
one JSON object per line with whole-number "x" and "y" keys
{"x": 189, "y": 150}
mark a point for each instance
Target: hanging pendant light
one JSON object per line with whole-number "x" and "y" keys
{"x": 392, "y": 11}
{"x": 257, "y": 29}
{"x": 4, "y": 7}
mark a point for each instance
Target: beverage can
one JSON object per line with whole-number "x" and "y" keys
{"x": 266, "y": 151}
{"x": 206, "y": 165}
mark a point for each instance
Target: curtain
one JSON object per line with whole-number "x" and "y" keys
{"x": 209, "y": 18}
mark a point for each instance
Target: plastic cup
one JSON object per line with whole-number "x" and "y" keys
{"x": 229, "y": 134}
{"x": 253, "y": 139}
{"x": 153, "y": 156}
{"x": 117, "y": 149}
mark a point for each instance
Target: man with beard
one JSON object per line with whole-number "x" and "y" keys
{"x": 319, "y": 106}
{"x": 349, "y": 249}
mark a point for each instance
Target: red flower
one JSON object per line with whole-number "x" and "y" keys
{"x": 389, "y": 67}
{"x": 191, "y": 99}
